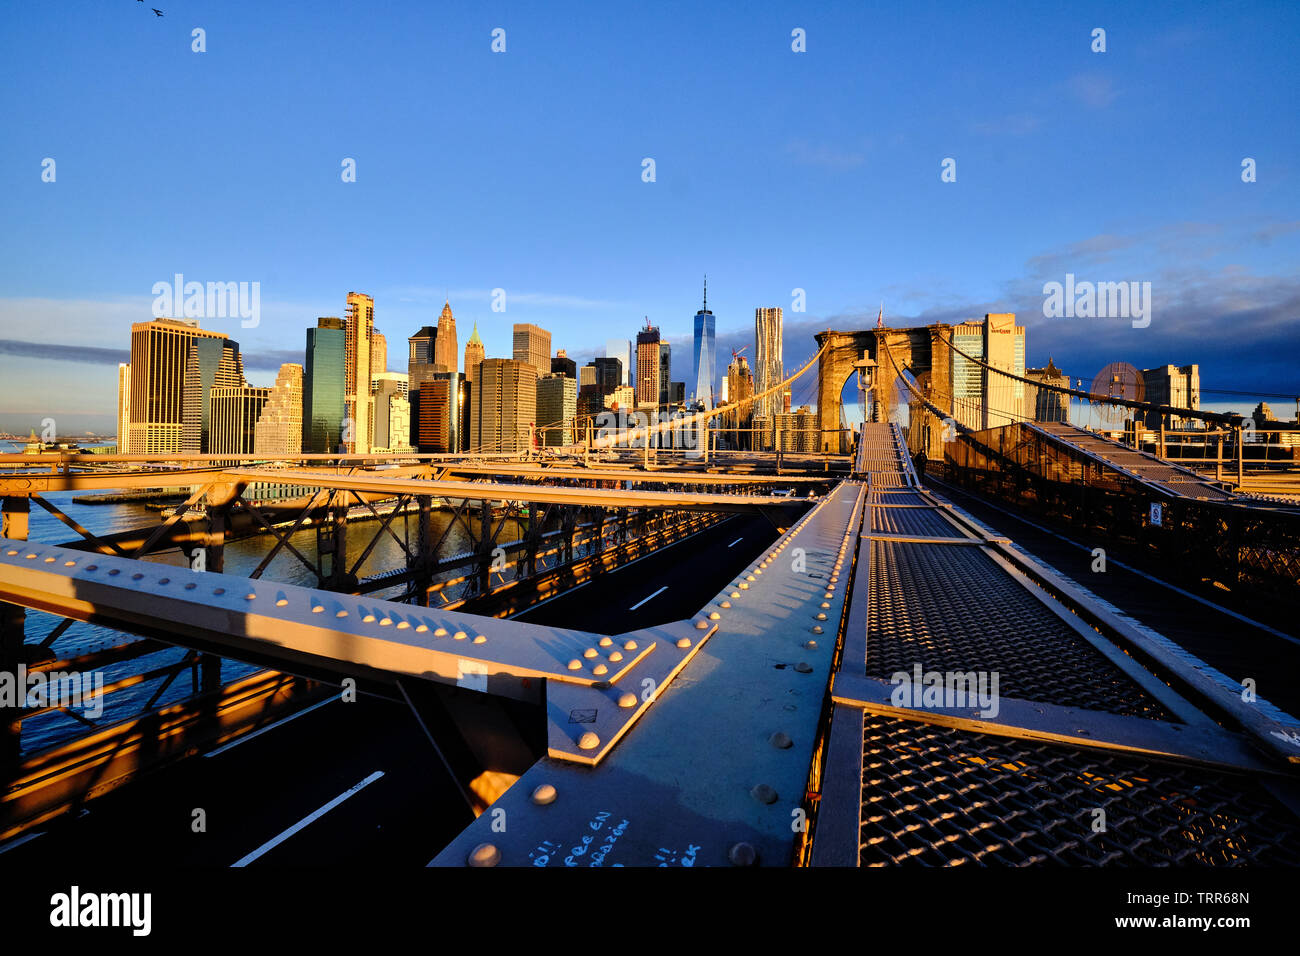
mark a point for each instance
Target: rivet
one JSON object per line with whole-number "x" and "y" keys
{"x": 160, "y": 580}
{"x": 421, "y": 628}
{"x": 30, "y": 556}
{"x": 714, "y": 616}
{"x": 12, "y": 551}
{"x": 50, "y": 560}
{"x": 589, "y": 653}
{"x": 218, "y": 590}
{"x": 828, "y": 595}
{"x": 821, "y": 615}
{"x": 485, "y": 854}
{"x": 616, "y": 656}
{"x": 368, "y": 619}
{"x": 734, "y": 594}
{"x": 479, "y": 639}
{"x": 282, "y": 602}
{"x": 811, "y": 645}
{"x": 110, "y": 573}
{"x": 627, "y": 700}
{"x": 803, "y": 667}
{"x": 385, "y": 621}
{"x": 699, "y": 626}
{"x": 588, "y": 741}
{"x": 544, "y": 795}
{"x": 458, "y": 636}
{"x": 316, "y": 609}
{"x": 749, "y": 577}
{"x": 403, "y": 625}
{"x": 763, "y": 794}
{"x": 137, "y": 576}
{"x": 725, "y": 604}
{"x": 781, "y": 741}
{"x": 629, "y": 645}
{"x": 575, "y": 665}
{"x": 440, "y": 632}
{"x": 188, "y": 587}
{"x": 605, "y": 642}
{"x": 743, "y": 587}
{"x": 600, "y": 669}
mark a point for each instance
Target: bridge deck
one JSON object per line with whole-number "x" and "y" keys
{"x": 1084, "y": 757}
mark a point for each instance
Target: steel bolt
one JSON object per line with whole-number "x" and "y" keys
{"x": 764, "y": 794}
{"x": 627, "y": 700}
{"x": 742, "y": 854}
{"x": 588, "y": 741}
{"x": 485, "y": 854}
{"x": 544, "y": 794}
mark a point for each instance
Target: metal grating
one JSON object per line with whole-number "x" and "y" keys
{"x": 935, "y": 796}
{"x": 951, "y": 608}
{"x": 925, "y": 522}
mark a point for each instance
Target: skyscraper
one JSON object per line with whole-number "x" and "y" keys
{"x": 159, "y": 350}
{"x": 1178, "y": 386}
{"x": 767, "y": 360}
{"x": 421, "y": 349}
{"x": 123, "y": 407}
{"x": 704, "y": 368}
{"x": 235, "y": 411}
{"x": 1043, "y": 404}
{"x": 621, "y": 349}
{"x": 609, "y": 372}
{"x": 378, "y": 353}
{"x": 279, "y": 428}
{"x": 323, "y": 386}
{"x": 564, "y": 365}
{"x": 557, "y": 405}
{"x": 211, "y": 363}
{"x": 740, "y": 388}
{"x": 474, "y": 354}
{"x": 665, "y": 370}
{"x": 445, "y": 355}
{"x": 392, "y": 412}
{"x": 358, "y": 410}
{"x": 981, "y": 398}
{"x": 440, "y": 416}
{"x": 533, "y": 345}
{"x": 504, "y": 405}
{"x": 647, "y": 365}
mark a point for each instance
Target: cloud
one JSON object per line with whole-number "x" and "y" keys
{"x": 828, "y": 157}
{"x": 84, "y": 354}
{"x": 1094, "y": 90}
{"x": 1016, "y": 124}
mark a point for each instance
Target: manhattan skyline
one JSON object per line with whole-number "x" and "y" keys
{"x": 775, "y": 170}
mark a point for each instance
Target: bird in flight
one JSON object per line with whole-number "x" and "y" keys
{"x": 156, "y": 11}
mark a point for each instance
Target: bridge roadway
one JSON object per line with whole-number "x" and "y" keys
{"x": 734, "y": 753}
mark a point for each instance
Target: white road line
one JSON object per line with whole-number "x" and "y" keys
{"x": 257, "y": 733}
{"x": 736, "y": 542}
{"x": 14, "y": 844}
{"x": 1142, "y": 574}
{"x": 273, "y": 843}
{"x": 655, "y": 595}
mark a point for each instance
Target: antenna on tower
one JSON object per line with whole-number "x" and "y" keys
{"x": 706, "y": 293}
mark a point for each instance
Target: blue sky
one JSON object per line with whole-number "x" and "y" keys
{"x": 522, "y": 170}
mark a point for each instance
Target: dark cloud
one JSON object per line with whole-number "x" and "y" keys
{"x": 90, "y": 355}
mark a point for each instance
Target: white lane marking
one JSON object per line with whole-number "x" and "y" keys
{"x": 1142, "y": 574}
{"x": 13, "y": 844}
{"x": 257, "y": 733}
{"x": 273, "y": 843}
{"x": 656, "y": 594}
{"x": 736, "y": 542}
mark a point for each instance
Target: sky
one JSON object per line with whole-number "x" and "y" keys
{"x": 523, "y": 170}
